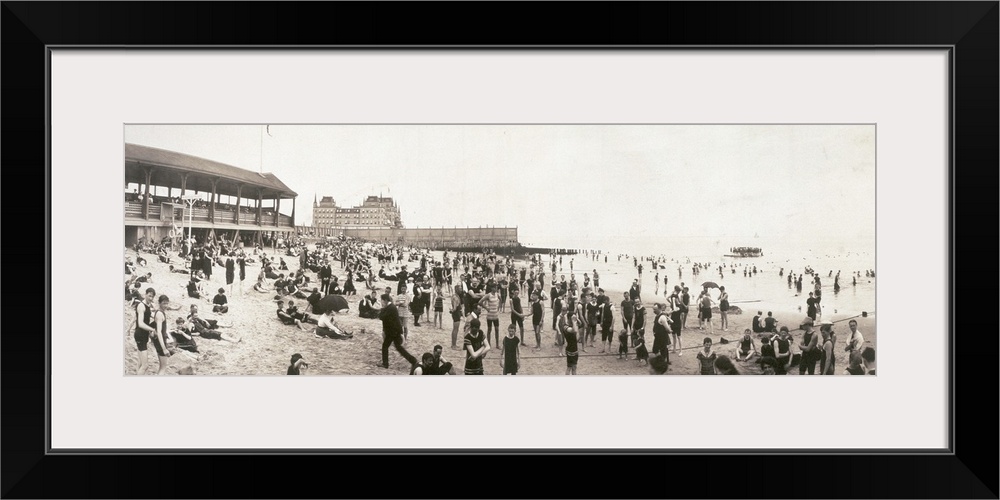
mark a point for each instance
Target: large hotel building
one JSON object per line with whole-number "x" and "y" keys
{"x": 374, "y": 212}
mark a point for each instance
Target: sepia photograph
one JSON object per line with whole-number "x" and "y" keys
{"x": 507, "y": 249}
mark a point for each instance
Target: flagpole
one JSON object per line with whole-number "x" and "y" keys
{"x": 261, "y": 167}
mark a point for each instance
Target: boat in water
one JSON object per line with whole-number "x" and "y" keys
{"x": 744, "y": 252}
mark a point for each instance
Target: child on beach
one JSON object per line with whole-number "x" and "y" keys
{"x": 623, "y": 345}
{"x": 707, "y": 358}
{"x": 510, "y": 353}
{"x": 641, "y": 354}
{"x": 572, "y": 352}
{"x": 438, "y": 308}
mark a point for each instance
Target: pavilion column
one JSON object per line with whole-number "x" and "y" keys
{"x": 145, "y": 199}
{"x": 211, "y": 207}
{"x": 239, "y": 199}
{"x": 184, "y": 183}
{"x": 277, "y": 206}
{"x": 294, "y": 198}
{"x": 260, "y": 208}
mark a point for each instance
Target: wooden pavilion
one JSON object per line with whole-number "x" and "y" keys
{"x": 231, "y": 201}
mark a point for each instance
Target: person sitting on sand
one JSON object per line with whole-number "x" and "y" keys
{"x": 441, "y": 366}
{"x": 279, "y": 283}
{"x": 770, "y": 323}
{"x": 425, "y": 365}
{"x": 747, "y": 348}
{"x": 335, "y": 286}
{"x": 192, "y": 289}
{"x": 261, "y": 285}
{"x": 326, "y": 327}
{"x": 782, "y": 347}
{"x": 288, "y": 318}
{"x": 220, "y": 302}
{"x": 756, "y": 324}
{"x": 367, "y": 308}
{"x": 293, "y": 311}
{"x": 269, "y": 273}
{"x": 313, "y": 299}
{"x": 182, "y": 336}
{"x": 349, "y": 288}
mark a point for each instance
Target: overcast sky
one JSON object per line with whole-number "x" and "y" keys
{"x": 576, "y": 186}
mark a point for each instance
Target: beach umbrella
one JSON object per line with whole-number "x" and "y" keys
{"x": 709, "y": 284}
{"x": 336, "y": 303}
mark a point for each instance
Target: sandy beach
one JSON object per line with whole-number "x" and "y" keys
{"x": 268, "y": 345}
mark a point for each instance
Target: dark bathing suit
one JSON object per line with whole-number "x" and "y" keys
{"x": 572, "y": 355}
{"x": 142, "y": 336}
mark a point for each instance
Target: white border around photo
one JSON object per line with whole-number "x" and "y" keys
{"x": 905, "y": 93}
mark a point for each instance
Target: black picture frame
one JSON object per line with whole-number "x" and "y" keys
{"x": 968, "y": 29}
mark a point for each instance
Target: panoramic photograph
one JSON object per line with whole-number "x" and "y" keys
{"x": 645, "y": 249}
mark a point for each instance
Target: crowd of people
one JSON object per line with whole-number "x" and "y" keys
{"x": 746, "y": 251}
{"x": 541, "y": 305}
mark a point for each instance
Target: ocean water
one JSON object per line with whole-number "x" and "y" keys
{"x": 766, "y": 291}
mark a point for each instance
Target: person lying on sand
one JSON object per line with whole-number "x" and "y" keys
{"x": 288, "y": 319}
{"x": 212, "y": 323}
{"x": 207, "y": 328}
